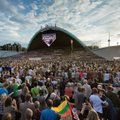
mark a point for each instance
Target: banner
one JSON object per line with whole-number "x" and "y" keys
{"x": 49, "y": 38}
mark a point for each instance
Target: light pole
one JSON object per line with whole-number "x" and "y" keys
{"x": 109, "y": 40}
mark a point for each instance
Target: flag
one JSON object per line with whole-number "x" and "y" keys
{"x": 63, "y": 109}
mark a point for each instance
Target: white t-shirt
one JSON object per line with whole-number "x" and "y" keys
{"x": 12, "y": 69}
{"x": 118, "y": 74}
{"x": 30, "y": 72}
{"x": 106, "y": 77}
{"x": 73, "y": 74}
{"x": 65, "y": 75}
{"x": 18, "y": 81}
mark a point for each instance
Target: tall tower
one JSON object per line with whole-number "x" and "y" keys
{"x": 109, "y": 39}
{"x": 117, "y": 43}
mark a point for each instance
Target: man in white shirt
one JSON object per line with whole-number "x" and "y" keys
{"x": 106, "y": 77}
{"x": 30, "y": 72}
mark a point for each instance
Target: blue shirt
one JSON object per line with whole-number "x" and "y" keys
{"x": 3, "y": 91}
{"x": 1, "y": 69}
{"x": 96, "y": 103}
{"x": 49, "y": 114}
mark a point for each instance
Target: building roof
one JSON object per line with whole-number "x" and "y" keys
{"x": 109, "y": 53}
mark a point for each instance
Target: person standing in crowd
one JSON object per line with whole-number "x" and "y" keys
{"x": 109, "y": 112}
{"x": 87, "y": 87}
{"x": 4, "y": 90}
{"x": 1, "y": 69}
{"x": 48, "y": 114}
{"x": 96, "y": 102}
{"x": 92, "y": 114}
{"x": 118, "y": 74}
{"x": 3, "y": 97}
{"x": 14, "y": 88}
{"x": 100, "y": 75}
{"x": 11, "y": 107}
{"x": 65, "y": 75}
{"x": 35, "y": 90}
{"x": 37, "y": 111}
{"x": 62, "y": 85}
{"x": 106, "y": 77}
{"x": 115, "y": 100}
{"x": 69, "y": 91}
{"x": 18, "y": 80}
{"x": 28, "y": 114}
{"x": 79, "y": 98}
{"x": 24, "y": 92}
{"x": 113, "y": 97}
{"x": 27, "y": 104}
{"x": 28, "y": 78}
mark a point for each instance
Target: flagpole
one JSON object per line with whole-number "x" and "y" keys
{"x": 71, "y": 47}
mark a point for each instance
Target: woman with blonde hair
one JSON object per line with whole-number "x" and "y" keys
{"x": 28, "y": 114}
{"x": 25, "y": 91}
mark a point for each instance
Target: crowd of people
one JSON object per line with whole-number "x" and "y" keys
{"x": 29, "y": 88}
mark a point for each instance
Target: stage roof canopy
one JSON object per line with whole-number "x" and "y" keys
{"x": 53, "y": 38}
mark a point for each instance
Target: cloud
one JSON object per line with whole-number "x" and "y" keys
{"x": 89, "y": 20}
{"x": 21, "y": 6}
{"x": 34, "y": 6}
{"x": 7, "y": 8}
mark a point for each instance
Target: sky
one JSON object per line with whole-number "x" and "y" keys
{"x": 90, "y": 20}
